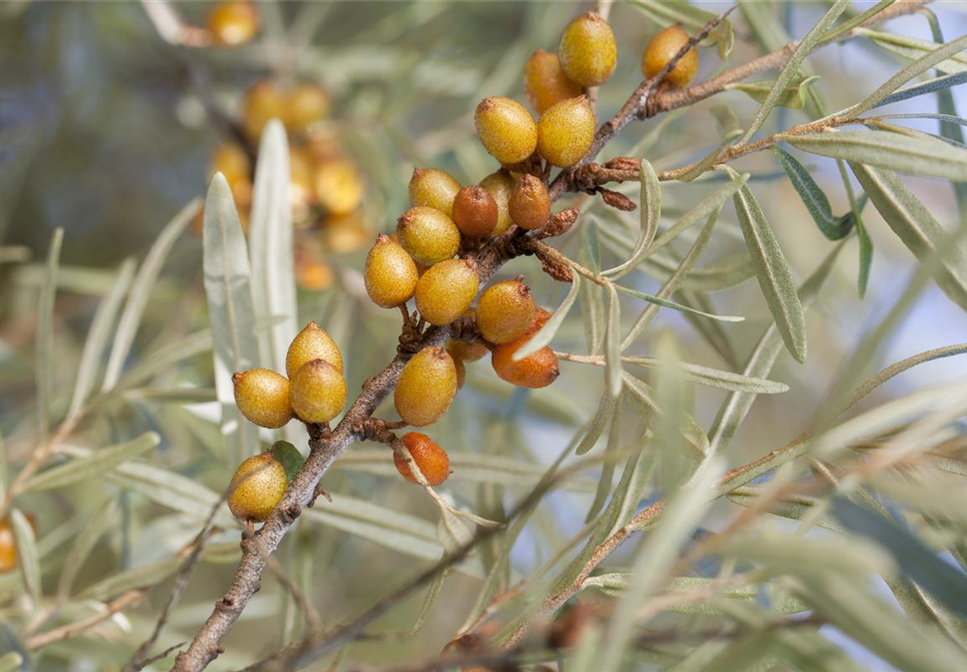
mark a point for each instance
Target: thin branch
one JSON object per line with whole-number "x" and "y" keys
{"x": 81, "y": 626}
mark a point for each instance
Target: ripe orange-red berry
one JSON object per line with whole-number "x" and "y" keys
{"x": 475, "y": 212}
{"x": 430, "y": 458}
{"x": 262, "y": 396}
{"x": 566, "y": 132}
{"x": 433, "y": 188}
{"x": 500, "y": 185}
{"x": 390, "y": 273}
{"x": 8, "y": 548}
{"x": 446, "y": 290}
{"x": 588, "y": 50}
{"x": 426, "y": 387}
{"x": 530, "y": 204}
{"x": 317, "y": 392}
{"x": 233, "y": 22}
{"x": 506, "y": 129}
{"x": 313, "y": 342}
{"x": 429, "y": 235}
{"x": 257, "y": 487}
{"x": 545, "y": 81}
{"x": 539, "y": 369}
{"x": 505, "y": 311}
{"x": 662, "y": 49}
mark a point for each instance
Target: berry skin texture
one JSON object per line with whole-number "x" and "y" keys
{"x": 467, "y": 351}
{"x": 313, "y": 342}
{"x": 233, "y": 23}
{"x": 506, "y": 129}
{"x": 426, "y": 387}
{"x": 430, "y": 458}
{"x": 505, "y": 311}
{"x": 262, "y": 102}
{"x": 545, "y": 81}
{"x": 434, "y": 189}
{"x": 539, "y": 369}
{"x": 500, "y": 185}
{"x": 307, "y": 104}
{"x": 475, "y": 212}
{"x": 662, "y": 49}
{"x": 428, "y": 235}
{"x": 317, "y": 392}
{"x": 588, "y": 50}
{"x": 8, "y": 548}
{"x": 530, "y": 204}
{"x": 257, "y": 487}
{"x": 390, "y": 273}
{"x": 262, "y": 396}
{"x": 339, "y": 186}
{"x": 446, "y": 291}
{"x": 566, "y": 132}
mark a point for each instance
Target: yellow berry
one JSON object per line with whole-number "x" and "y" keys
{"x": 467, "y": 351}
{"x": 506, "y": 129}
{"x": 302, "y": 189}
{"x": 233, "y": 23}
{"x": 426, "y": 387}
{"x": 430, "y": 458}
{"x": 446, "y": 291}
{"x": 262, "y": 101}
{"x": 428, "y": 235}
{"x": 230, "y": 160}
{"x": 257, "y": 487}
{"x": 313, "y": 342}
{"x": 539, "y": 369}
{"x": 588, "y": 50}
{"x": 343, "y": 234}
{"x": 530, "y": 204}
{"x": 566, "y": 132}
{"x": 262, "y": 396}
{"x": 505, "y": 311}
{"x": 475, "y": 212}
{"x": 317, "y": 391}
{"x": 307, "y": 104}
{"x": 500, "y": 185}
{"x": 339, "y": 186}
{"x": 662, "y": 49}
{"x": 434, "y": 189}
{"x": 545, "y": 81}
{"x": 390, "y": 273}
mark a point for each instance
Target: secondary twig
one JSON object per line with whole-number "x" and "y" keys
{"x": 70, "y": 630}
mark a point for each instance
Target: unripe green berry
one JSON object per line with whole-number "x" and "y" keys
{"x": 545, "y": 81}
{"x": 311, "y": 343}
{"x": 428, "y": 235}
{"x": 588, "y": 50}
{"x": 257, "y": 487}
{"x": 446, "y": 291}
{"x": 662, "y": 49}
{"x": 506, "y": 129}
{"x": 430, "y": 458}
{"x": 317, "y": 392}
{"x": 566, "y": 132}
{"x": 426, "y": 387}
{"x": 390, "y": 273}
{"x": 434, "y": 189}
{"x": 500, "y": 185}
{"x": 530, "y": 204}
{"x": 475, "y": 212}
{"x": 262, "y": 396}
{"x": 505, "y": 311}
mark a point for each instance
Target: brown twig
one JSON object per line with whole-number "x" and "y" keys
{"x": 70, "y": 630}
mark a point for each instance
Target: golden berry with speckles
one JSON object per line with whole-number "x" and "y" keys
{"x": 313, "y": 342}
{"x": 234, "y": 22}
{"x": 262, "y": 396}
{"x": 475, "y": 212}
{"x": 506, "y": 129}
{"x": 588, "y": 50}
{"x": 500, "y": 185}
{"x": 390, "y": 273}
{"x": 257, "y": 487}
{"x": 433, "y": 188}
{"x": 426, "y": 387}
{"x": 428, "y": 235}
{"x": 530, "y": 204}
{"x": 566, "y": 132}
{"x": 505, "y": 311}
{"x": 317, "y": 391}
{"x": 446, "y": 290}
{"x": 430, "y": 458}
{"x": 545, "y": 81}
{"x": 662, "y": 49}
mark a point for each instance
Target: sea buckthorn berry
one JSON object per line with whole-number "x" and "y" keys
{"x": 262, "y": 396}
{"x": 461, "y": 369}
{"x": 317, "y": 391}
{"x": 390, "y": 273}
{"x": 312, "y": 274}
{"x": 506, "y": 129}
{"x": 307, "y": 104}
{"x": 257, "y": 487}
{"x": 313, "y": 342}
{"x": 545, "y": 81}
{"x": 230, "y": 160}
{"x": 428, "y": 235}
{"x": 339, "y": 186}
{"x": 530, "y": 204}
{"x": 302, "y": 188}
{"x": 446, "y": 291}
{"x": 8, "y": 547}
{"x": 500, "y": 185}
{"x": 233, "y": 23}
{"x": 343, "y": 234}
{"x": 434, "y": 189}
{"x": 467, "y": 351}
{"x": 430, "y": 458}
{"x": 475, "y": 212}
{"x": 566, "y": 132}
{"x": 662, "y": 49}
{"x": 426, "y": 387}
{"x": 539, "y": 369}
{"x": 505, "y": 311}
{"x": 588, "y": 50}
{"x": 262, "y": 101}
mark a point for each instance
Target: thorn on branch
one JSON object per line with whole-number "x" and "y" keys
{"x": 318, "y": 491}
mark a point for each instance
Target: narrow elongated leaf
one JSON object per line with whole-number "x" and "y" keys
{"x": 141, "y": 289}
{"x": 612, "y": 345}
{"x": 650, "y": 210}
{"x": 702, "y": 211}
{"x": 27, "y": 556}
{"x": 772, "y": 271}
{"x": 913, "y": 223}
{"x": 658, "y": 301}
{"x": 934, "y": 85}
{"x": 670, "y": 12}
{"x": 99, "y": 462}
{"x": 724, "y": 380}
{"x": 792, "y": 96}
{"x": 546, "y": 333}
{"x": 609, "y": 465}
{"x": 813, "y": 197}
{"x": 598, "y": 423}
{"x": 228, "y": 288}
{"x": 642, "y": 398}
{"x": 102, "y": 519}
{"x": 45, "y": 335}
{"x": 856, "y": 20}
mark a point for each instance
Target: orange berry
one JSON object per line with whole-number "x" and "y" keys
{"x": 467, "y": 351}
{"x": 588, "y": 50}
{"x": 257, "y": 487}
{"x": 262, "y": 396}
{"x": 234, "y": 22}
{"x": 530, "y": 204}
{"x": 426, "y": 387}
{"x": 317, "y": 392}
{"x": 662, "y": 49}
{"x": 8, "y": 547}
{"x": 428, "y": 235}
{"x": 313, "y": 275}
{"x": 475, "y": 212}
{"x": 566, "y": 132}
{"x": 446, "y": 290}
{"x": 430, "y": 458}
{"x": 539, "y": 369}
{"x": 505, "y": 311}
{"x": 506, "y": 129}
{"x": 434, "y": 189}
{"x": 307, "y": 104}
{"x": 230, "y": 159}
{"x": 343, "y": 234}
{"x": 339, "y": 186}
{"x": 500, "y": 185}
{"x": 390, "y": 274}
{"x": 545, "y": 81}
{"x": 262, "y": 101}
{"x": 313, "y": 342}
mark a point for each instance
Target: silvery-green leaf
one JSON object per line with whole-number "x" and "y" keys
{"x": 28, "y": 558}
{"x": 99, "y": 462}
{"x": 934, "y": 85}
{"x": 103, "y": 518}
{"x": 671, "y": 12}
{"x": 725, "y": 380}
{"x": 546, "y": 333}
{"x": 45, "y": 335}
{"x": 710, "y": 205}
{"x": 642, "y": 399}
{"x": 792, "y": 96}
{"x": 609, "y": 462}
{"x": 913, "y": 48}
{"x": 650, "y": 212}
{"x": 813, "y": 197}
{"x": 710, "y": 330}
{"x": 592, "y": 313}
{"x": 658, "y": 301}
{"x": 612, "y": 347}
{"x": 173, "y": 352}
{"x": 725, "y": 121}
{"x": 598, "y": 423}
{"x": 793, "y": 507}
{"x": 139, "y": 577}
